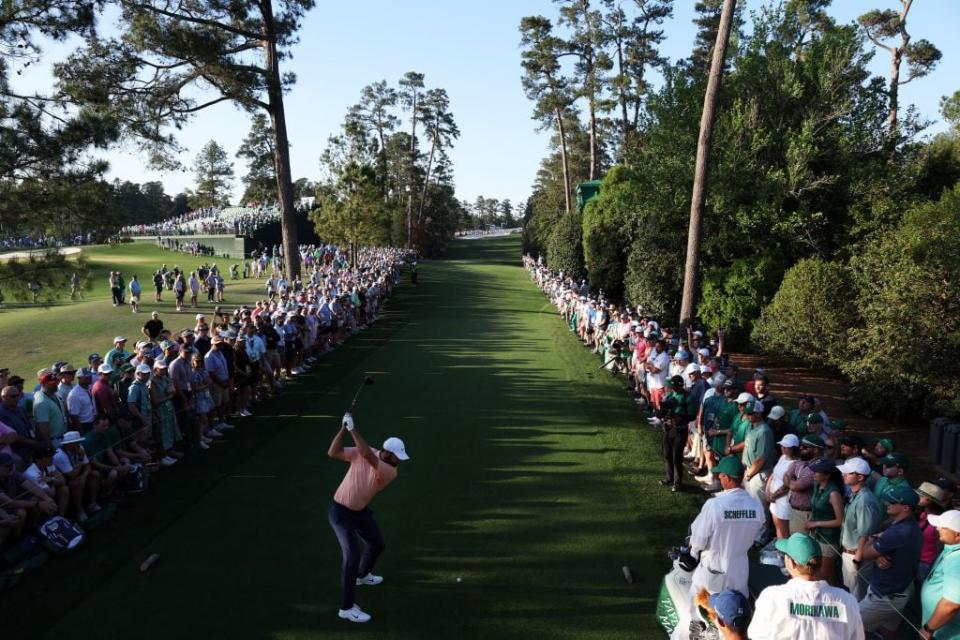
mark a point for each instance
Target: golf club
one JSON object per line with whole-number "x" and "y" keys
{"x": 367, "y": 381}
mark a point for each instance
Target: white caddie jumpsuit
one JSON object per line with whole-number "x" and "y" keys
{"x": 812, "y": 610}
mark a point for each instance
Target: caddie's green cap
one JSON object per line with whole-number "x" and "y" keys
{"x": 814, "y": 418}
{"x": 800, "y": 547}
{"x": 838, "y": 425}
{"x": 902, "y": 494}
{"x": 126, "y": 367}
{"x": 814, "y": 441}
{"x": 886, "y": 443}
{"x": 731, "y": 466}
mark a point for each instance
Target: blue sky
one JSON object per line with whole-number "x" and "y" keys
{"x": 470, "y": 49}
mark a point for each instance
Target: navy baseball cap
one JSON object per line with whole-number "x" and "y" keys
{"x": 731, "y": 607}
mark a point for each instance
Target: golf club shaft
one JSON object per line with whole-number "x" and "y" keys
{"x": 356, "y": 396}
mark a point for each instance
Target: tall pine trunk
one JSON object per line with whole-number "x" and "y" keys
{"x": 691, "y": 274}
{"x": 281, "y": 155}
{"x": 426, "y": 178}
{"x": 894, "y": 93}
{"x": 562, "y": 130}
{"x": 593, "y": 137}
{"x": 413, "y": 167}
{"x": 625, "y": 118}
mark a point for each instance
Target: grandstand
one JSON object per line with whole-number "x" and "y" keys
{"x": 232, "y": 232}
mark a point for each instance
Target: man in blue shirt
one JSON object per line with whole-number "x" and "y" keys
{"x": 12, "y": 415}
{"x": 896, "y": 552}
{"x": 216, "y": 366}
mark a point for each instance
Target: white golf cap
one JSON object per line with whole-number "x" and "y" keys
{"x": 395, "y": 446}
{"x": 199, "y": 316}
{"x": 119, "y": 339}
{"x": 776, "y": 413}
{"x": 855, "y": 465}
{"x": 105, "y": 368}
{"x": 159, "y": 364}
{"x": 789, "y": 440}
{"x": 143, "y": 368}
{"x": 946, "y": 520}
{"x": 704, "y": 352}
{"x": 744, "y": 398}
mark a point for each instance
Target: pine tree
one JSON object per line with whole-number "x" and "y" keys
{"x": 214, "y": 176}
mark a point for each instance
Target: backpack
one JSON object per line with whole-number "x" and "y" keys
{"x": 137, "y": 481}
{"x": 60, "y": 535}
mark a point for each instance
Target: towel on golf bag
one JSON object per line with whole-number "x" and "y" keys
{"x": 60, "y": 535}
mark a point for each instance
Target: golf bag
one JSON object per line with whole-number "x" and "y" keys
{"x": 60, "y": 535}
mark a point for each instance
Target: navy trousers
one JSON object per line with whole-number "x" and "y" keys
{"x": 353, "y": 529}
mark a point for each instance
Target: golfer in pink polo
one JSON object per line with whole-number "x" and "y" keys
{"x": 352, "y": 520}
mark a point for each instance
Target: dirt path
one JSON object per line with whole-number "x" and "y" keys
{"x": 790, "y": 380}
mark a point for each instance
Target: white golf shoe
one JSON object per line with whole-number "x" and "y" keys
{"x": 354, "y": 614}
{"x": 369, "y": 579}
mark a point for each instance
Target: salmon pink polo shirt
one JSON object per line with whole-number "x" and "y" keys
{"x": 362, "y": 481}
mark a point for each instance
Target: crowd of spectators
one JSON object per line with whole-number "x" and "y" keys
{"x": 77, "y": 438}
{"x": 837, "y": 512}
{"x": 236, "y": 221}
{"x": 14, "y": 242}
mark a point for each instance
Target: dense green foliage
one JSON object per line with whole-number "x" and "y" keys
{"x": 810, "y": 315}
{"x": 565, "y": 245}
{"x": 905, "y": 356}
{"x": 805, "y": 172}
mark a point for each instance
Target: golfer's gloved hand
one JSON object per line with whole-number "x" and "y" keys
{"x": 348, "y": 421}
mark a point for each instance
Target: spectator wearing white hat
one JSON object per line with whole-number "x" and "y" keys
{"x": 759, "y": 458}
{"x": 118, "y": 351}
{"x": 741, "y": 424}
{"x": 165, "y": 431}
{"x": 371, "y": 470}
{"x": 861, "y": 519}
{"x": 940, "y": 594}
{"x": 139, "y": 403}
{"x": 82, "y": 479}
{"x": 777, "y": 489}
{"x": 776, "y": 418}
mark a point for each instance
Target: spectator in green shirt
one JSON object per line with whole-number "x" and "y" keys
{"x": 48, "y": 411}
{"x": 861, "y": 519}
{"x": 940, "y": 595}
{"x": 894, "y": 467}
{"x": 759, "y": 458}
{"x": 99, "y": 444}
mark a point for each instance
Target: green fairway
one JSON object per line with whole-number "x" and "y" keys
{"x": 531, "y": 479}
{"x": 33, "y": 336}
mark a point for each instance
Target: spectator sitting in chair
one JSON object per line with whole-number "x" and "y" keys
{"x": 44, "y": 476}
{"x": 20, "y": 496}
{"x": 82, "y": 479}
{"x": 99, "y": 445}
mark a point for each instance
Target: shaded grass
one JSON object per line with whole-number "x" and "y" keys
{"x": 530, "y": 479}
